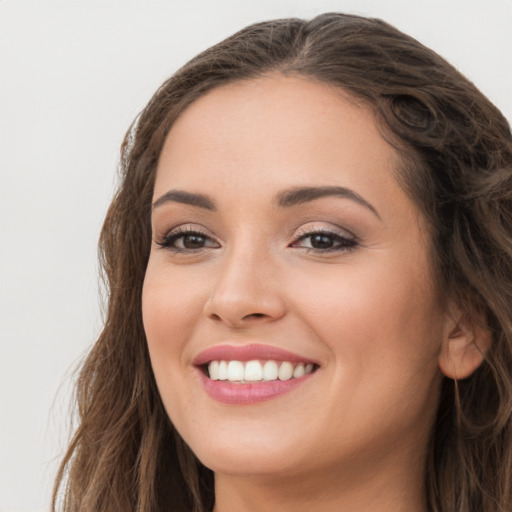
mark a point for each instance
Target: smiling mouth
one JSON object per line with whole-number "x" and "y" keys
{"x": 254, "y": 371}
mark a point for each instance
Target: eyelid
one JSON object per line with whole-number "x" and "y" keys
{"x": 342, "y": 240}
{"x": 170, "y": 235}
{"x": 311, "y": 228}
{"x": 186, "y": 227}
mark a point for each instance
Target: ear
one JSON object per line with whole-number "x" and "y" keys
{"x": 465, "y": 342}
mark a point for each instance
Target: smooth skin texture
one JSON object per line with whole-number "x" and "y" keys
{"x": 358, "y": 299}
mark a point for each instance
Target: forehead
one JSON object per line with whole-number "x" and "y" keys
{"x": 277, "y": 131}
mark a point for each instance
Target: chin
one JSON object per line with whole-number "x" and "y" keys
{"x": 249, "y": 465}
{"x": 247, "y": 456}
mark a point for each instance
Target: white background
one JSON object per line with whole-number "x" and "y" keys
{"x": 73, "y": 74}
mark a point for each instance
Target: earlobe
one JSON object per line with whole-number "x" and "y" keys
{"x": 464, "y": 348}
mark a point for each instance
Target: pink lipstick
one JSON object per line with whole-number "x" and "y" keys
{"x": 250, "y": 374}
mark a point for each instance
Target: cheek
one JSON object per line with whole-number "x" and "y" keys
{"x": 382, "y": 316}
{"x": 169, "y": 309}
{"x": 383, "y": 330}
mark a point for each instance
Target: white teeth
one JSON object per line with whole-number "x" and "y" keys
{"x": 235, "y": 371}
{"x": 223, "y": 370}
{"x": 270, "y": 370}
{"x": 285, "y": 371}
{"x": 254, "y": 371}
{"x": 299, "y": 371}
{"x": 213, "y": 370}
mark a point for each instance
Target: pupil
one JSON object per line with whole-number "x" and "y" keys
{"x": 321, "y": 242}
{"x": 193, "y": 241}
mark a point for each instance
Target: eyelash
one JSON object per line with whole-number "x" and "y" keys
{"x": 168, "y": 241}
{"x": 344, "y": 243}
{"x": 340, "y": 243}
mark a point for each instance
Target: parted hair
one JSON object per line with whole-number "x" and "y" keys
{"x": 456, "y": 153}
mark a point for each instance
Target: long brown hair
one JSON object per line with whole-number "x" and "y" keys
{"x": 457, "y": 166}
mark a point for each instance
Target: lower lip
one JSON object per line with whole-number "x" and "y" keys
{"x": 250, "y": 393}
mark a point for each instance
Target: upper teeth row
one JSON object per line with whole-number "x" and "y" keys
{"x": 254, "y": 371}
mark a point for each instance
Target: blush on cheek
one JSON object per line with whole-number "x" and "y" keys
{"x": 169, "y": 313}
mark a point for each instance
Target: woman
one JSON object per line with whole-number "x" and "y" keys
{"x": 309, "y": 261}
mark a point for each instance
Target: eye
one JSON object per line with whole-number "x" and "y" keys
{"x": 325, "y": 241}
{"x": 186, "y": 240}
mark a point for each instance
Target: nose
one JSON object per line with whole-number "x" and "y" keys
{"x": 246, "y": 293}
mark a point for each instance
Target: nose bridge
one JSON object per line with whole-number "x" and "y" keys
{"x": 246, "y": 289}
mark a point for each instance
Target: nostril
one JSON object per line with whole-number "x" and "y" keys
{"x": 255, "y": 315}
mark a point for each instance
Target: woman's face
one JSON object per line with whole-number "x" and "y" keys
{"x": 283, "y": 245}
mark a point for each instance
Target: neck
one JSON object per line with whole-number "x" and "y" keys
{"x": 377, "y": 488}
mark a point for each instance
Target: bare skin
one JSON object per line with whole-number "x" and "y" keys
{"x": 342, "y": 279}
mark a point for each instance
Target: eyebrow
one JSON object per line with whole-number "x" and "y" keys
{"x": 180, "y": 196}
{"x": 285, "y": 199}
{"x": 300, "y": 195}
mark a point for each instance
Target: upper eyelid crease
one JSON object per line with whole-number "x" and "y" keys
{"x": 178, "y": 233}
{"x": 308, "y": 229}
{"x": 181, "y": 231}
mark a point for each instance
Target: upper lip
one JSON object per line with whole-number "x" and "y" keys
{"x": 249, "y": 352}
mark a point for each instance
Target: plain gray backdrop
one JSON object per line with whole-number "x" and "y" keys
{"x": 73, "y": 75}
